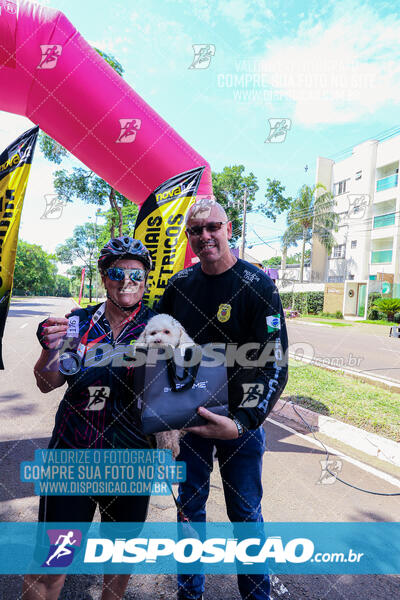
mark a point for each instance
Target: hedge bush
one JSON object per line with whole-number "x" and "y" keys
{"x": 304, "y": 302}
{"x": 372, "y": 313}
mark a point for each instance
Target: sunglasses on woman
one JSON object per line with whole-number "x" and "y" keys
{"x": 211, "y": 227}
{"x": 118, "y": 274}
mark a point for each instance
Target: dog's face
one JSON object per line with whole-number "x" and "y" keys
{"x": 165, "y": 330}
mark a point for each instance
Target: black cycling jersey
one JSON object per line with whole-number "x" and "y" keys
{"x": 98, "y": 409}
{"x": 240, "y": 306}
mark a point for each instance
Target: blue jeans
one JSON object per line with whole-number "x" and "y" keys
{"x": 240, "y": 464}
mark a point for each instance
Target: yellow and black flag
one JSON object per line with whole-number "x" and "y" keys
{"x": 15, "y": 164}
{"x": 160, "y": 225}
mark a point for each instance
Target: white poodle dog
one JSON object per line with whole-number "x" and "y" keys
{"x": 164, "y": 329}
{"x": 167, "y": 331}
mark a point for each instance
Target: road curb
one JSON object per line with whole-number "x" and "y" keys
{"x": 370, "y": 443}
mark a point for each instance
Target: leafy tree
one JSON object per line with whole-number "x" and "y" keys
{"x": 389, "y": 306}
{"x": 129, "y": 216}
{"x": 295, "y": 259}
{"x": 229, "y": 186}
{"x": 311, "y": 213}
{"x": 112, "y": 62}
{"x": 62, "y": 286}
{"x": 85, "y": 184}
{"x": 83, "y": 247}
{"x": 75, "y": 274}
{"x": 274, "y": 262}
{"x": 35, "y": 270}
{"x": 276, "y": 203}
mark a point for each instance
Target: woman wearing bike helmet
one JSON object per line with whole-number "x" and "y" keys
{"x": 98, "y": 410}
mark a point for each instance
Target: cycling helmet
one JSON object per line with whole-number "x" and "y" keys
{"x": 124, "y": 247}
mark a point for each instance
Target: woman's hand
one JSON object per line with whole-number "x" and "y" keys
{"x": 54, "y": 330}
{"x": 51, "y": 335}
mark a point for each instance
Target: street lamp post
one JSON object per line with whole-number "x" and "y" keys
{"x": 97, "y": 213}
{"x": 241, "y": 253}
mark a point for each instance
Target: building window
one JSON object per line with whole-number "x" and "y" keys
{"x": 358, "y": 175}
{"x": 335, "y": 279}
{"x": 340, "y": 187}
{"x": 353, "y": 244}
{"x": 338, "y": 251}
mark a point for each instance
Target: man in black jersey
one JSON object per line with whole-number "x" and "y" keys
{"x": 226, "y": 300}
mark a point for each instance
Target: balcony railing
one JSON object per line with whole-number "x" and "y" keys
{"x": 381, "y": 256}
{"x": 384, "y": 220}
{"x": 387, "y": 182}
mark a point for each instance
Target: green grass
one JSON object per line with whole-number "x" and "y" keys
{"x": 85, "y": 302}
{"x": 333, "y": 323}
{"x": 379, "y": 322}
{"x": 324, "y": 321}
{"x": 341, "y": 322}
{"x": 361, "y": 404}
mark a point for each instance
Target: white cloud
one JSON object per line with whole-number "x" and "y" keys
{"x": 165, "y": 38}
{"x": 340, "y": 71}
{"x": 11, "y": 126}
{"x": 112, "y": 45}
{"x": 249, "y": 17}
{"x": 242, "y": 12}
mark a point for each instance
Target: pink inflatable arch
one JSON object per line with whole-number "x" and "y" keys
{"x": 50, "y": 74}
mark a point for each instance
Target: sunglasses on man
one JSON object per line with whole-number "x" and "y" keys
{"x": 119, "y": 274}
{"x": 211, "y": 227}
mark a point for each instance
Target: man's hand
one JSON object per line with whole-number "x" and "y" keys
{"x": 221, "y": 428}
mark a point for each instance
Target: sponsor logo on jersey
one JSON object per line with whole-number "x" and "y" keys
{"x": 252, "y": 393}
{"x": 273, "y": 323}
{"x": 224, "y": 313}
{"x": 250, "y": 276}
{"x": 98, "y": 396}
{"x": 183, "y": 273}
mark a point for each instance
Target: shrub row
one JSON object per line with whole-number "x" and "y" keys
{"x": 304, "y": 302}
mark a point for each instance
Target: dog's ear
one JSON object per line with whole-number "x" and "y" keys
{"x": 184, "y": 338}
{"x": 142, "y": 337}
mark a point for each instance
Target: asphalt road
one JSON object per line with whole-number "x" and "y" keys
{"x": 364, "y": 348}
{"x": 291, "y": 475}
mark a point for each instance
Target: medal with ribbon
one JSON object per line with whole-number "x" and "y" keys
{"x": 70, "y": 362}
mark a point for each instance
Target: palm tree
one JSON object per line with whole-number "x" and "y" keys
{"x": 311, "y": 213}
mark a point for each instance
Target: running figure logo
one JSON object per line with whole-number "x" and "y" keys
{"x": 50, "y": 55}
{"x": 252, "y": 393}
{"x": 330, "y": 469}
{"x": 358, "y": 204}
{"x": 61, "y": 551}
{"x": 129, "y": 128}
{"x": 278, "y": 129}
{"x": 203, "y": 54}
{"x": 98, "y": 397}
{"x": 54, "y": 207}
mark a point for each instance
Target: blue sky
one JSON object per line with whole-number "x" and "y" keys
{"x": 333, "y": 70}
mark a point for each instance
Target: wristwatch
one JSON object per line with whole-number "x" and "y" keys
{"x": 239, "y": 426}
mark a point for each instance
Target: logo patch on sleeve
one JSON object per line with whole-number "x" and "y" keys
{"x": 273, "y": 323}
{"x": 252, "y": 393}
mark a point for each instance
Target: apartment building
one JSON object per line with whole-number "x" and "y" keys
{"x": 365, "y": 257}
